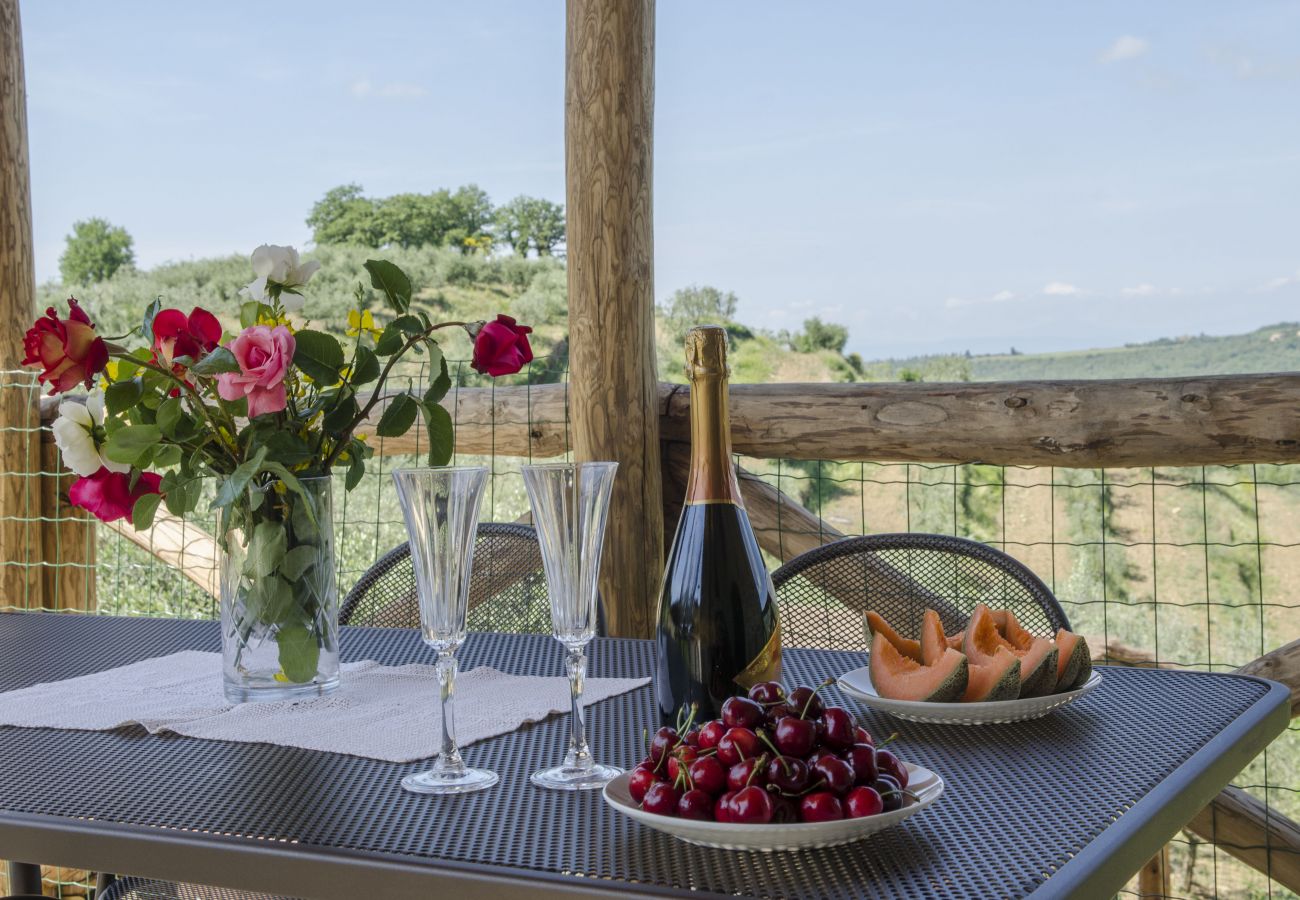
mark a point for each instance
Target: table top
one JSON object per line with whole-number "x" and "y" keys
{"x": 1068, "y": 805}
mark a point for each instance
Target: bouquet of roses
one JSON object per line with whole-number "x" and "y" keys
{"x": 267, "y": 413}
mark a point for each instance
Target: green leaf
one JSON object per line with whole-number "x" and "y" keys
{"x": 169, "y": 416}
{"x": 303, "y": 520}
{"x": 143, "y": 511}
{"x": 150, "y": 311}
{"x": 181, "y": 492}
{"x": 237, "y": 482}
{"x": 441, "y": 434}
{"x": 271, "y": 599}
{"x": 408, "y": 324}
{"x": 319, "y": 355}
{"x": 132, "y": 442}
{"x": 299, "y": 653}
{"x": 386, "y": 277}
{"x": 340, "y": 416}
{"x": 166, "y": 456}
{"x": 218, "y": 361}
{"x": 356, "y": 467}
{"x": 366, "y": 369}
{"x": 390, "y": 341}
{"x": 248, "y": 312}
{"x": 441, "y": 385}
{"x": 122, "y": 395}
{"x": 287, "y": 448}
{"x": 267, "y": 549}
{"x": 398, "y": 416}
{"x": 297, "y": 561}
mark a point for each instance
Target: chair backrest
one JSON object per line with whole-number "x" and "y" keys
{"x": 825, "y": 592}
{"x": 507, "y": 586}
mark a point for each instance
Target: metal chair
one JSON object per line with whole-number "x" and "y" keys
{"x": 507, "y": 592}
{"x": 825, "y": 592}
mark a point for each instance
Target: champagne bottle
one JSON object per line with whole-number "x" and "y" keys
{"x": 718, "y": 627}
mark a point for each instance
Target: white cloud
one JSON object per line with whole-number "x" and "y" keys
{"x": 1060, "y": 289}
{"x": 1125, "y": 47}
{"x": 1139, "y": 290}
{"x": 1274, "y": 284}
{"x": 1002, "y": 297}
{"x": 392, "y": 90}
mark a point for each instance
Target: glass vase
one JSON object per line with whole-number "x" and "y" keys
{"x": 279, "y": 599}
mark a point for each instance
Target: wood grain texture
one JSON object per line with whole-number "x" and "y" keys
{"x": 506, "y": 421}
{"x": 179, "y": 544}
{"x": 21, "y": 546}
{"x": 1222, "y": 420}
{"x": 68, "y": 541}
{"x": 1240, "y": 824}
{"x": 613, "y": 392}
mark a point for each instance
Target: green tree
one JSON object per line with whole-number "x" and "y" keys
{"x": 530, "y": 222}
{"x": 696, "y": 305}
{"x": 819, "y": 335}
{"x": 343, "y": 216}
{"x": 96, "y": 249}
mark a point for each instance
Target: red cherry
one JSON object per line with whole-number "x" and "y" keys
{"x": 642, "y": 778}
{"x": 681, "y": 758}
{"x": 788, "y": 774}
{"x": 767, "y": 693}
{"x": 751, "y": 806}
{"x": 661, "y": 797}
{"x": 722, "y": 811}
{"x": 818, "y": 754}
{"x": 862, "y": 758}
{"x": 862, "y": 736}
{"x": 662, "y": 744}
{"x": 779, "y": 711}
{"x": 708, "y": 775}
{"x": 837, "y": 727}
{"x": 785, "y": 810}
{"x": 740, "y": 712}
{"x": 821, "y": 806}
{"x": 795, "y": 737}
{"x": 695, "y": 804}
{"x": 863, "y": 801}
{"x": 711, "y": 733}
{"x": 692, "y": 737}
{"x": 737, "y": 744}
{"x": 835, "y": 772}
{"x": 890, "y": 764}
{"x": 890, "y": 792}
{"x": 746, "y": 772}
{"x": 806, "y": 703}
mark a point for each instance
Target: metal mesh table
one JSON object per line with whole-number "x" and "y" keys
{"x": 1071, "y": 804}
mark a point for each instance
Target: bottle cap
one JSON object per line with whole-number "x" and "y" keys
{"x": 706, "y": 352}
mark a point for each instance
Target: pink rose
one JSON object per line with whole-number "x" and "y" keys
{"x": 108, "y": 495}
{"x": 264, "y": 355}
{"x": 501, "y": 347}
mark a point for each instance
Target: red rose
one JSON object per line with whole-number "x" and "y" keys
{"x": 108, "y": 495}
{"x": 175, "y": 334}
{"x": 501, "y": 347}
{"x": 67, "y": 350}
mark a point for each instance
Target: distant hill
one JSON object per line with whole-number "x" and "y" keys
{"x": 1273, "y": 348}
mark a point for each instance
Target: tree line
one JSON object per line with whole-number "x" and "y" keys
{"x": 464, "y": 219}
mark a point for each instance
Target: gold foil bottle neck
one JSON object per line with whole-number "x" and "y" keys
{"x": 706, "y": 352}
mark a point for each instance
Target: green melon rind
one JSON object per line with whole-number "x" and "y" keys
{"x": 949, "y": 690}
{"x": 1005, "y": 688}
{"x": 952, "y": 688}
{"x": 1078, "y": 668}
{"x": 1042, "y": 680}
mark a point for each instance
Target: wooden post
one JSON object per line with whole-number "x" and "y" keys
{"x": 67, "y": 538}
{"x": 608, "y": 125}
{"x": 20, "y": 458}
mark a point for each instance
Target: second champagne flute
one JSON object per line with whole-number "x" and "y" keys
{"x": 570, "y": 506}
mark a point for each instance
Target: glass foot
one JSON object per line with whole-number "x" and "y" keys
{"x": 463, "y": 782}
{"x": 573, "y": 778}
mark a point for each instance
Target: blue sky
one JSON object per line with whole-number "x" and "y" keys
{"x": 937, "y": 176}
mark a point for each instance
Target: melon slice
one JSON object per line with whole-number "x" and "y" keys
{"x": 1074, "y": 667}
{"x": 996, "y": 679}
{"x": 934, "y": 643}
{"x": 1038, "y": 656}
{"x": 876, "y": 624}
{"x": 899, "y": 677}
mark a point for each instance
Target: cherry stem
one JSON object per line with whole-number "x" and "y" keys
{"x": 887, "y": 740}
{"x": 762, "y": 736}
{"x": 762, "y": 760}
{"x": 803, "y": 714}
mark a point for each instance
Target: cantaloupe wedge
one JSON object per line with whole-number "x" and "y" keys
{"x": 1074, "y": 666}
{"x": 899, "y": 677}
{"x": 876, "y": 624}
{"x": 996, "y": 679}
{"x": 1038, "y": 656}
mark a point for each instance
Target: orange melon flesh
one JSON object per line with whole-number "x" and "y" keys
{"x": 997, "y": 679}
{"x": 1074, "y": 667}
{"x": 906, "y": 646}
{"x": 898, "y": 677}
{"x": 1038, "y": 656}
{"x": 934, "y": 643}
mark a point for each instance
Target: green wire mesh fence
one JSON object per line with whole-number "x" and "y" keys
{"x": 1190, "y": 566}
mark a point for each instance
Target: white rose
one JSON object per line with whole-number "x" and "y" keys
{"x": 279, "y": 266}
{"x": 74, "y": 433}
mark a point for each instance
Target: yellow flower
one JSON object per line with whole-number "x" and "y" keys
{"x": 110, "y": 370}
{"x": 359, "y": 321}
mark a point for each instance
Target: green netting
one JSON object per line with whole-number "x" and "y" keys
{"x": 1192, "y": 566}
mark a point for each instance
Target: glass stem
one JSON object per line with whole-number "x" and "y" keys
{"x": 449, "y": 761}
{"x": 578, "y": 756}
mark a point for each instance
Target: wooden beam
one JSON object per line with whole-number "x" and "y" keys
{"x": 1282, "y": 664}
{"x": 1240, "y": 824}
{"x": 1223, "y": 420}
{"x": 21, "y": 551}
{"x": 179, "y": 544}
{"x": 608, "y": 140}
{"x": 67, "y": 536}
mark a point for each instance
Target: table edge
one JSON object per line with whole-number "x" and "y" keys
{"x": 1103, "y": 867}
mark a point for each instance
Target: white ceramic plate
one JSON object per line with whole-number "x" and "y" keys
{"x": 858, "y": 684}
{"x": 727, "y": 836}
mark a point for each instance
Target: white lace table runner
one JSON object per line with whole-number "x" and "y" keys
{"x": 380, "y": 712}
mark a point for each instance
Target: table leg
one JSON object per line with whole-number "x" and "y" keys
{"x": 102, "y": 882}
{"x": 24, "y": 878}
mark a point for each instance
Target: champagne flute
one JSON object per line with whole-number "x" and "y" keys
{"x": 570, "y": 504}
{"x": 441, "y": 507}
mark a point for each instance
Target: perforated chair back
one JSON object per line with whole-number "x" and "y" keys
{"x": 507, "y": 586}
{"x": 824, "y": 593}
